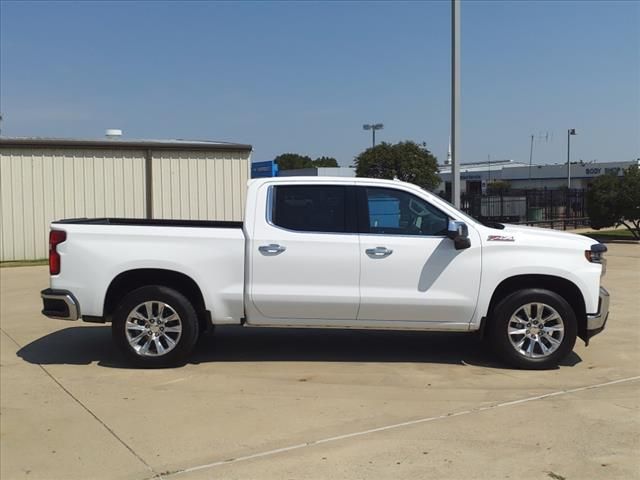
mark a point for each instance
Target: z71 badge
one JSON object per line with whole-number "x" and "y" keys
{"x": 500, "y": 238}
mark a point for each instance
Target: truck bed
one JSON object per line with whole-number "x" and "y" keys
{"x": 151, "y": 222}
{"x": 210, "y": 253}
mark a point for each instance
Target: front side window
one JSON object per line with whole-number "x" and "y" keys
{"x": 396, "y": 212}
{"x": 309, "y": 208}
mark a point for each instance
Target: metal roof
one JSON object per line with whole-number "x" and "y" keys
{"x": 537, "y": 172}
{"x": 484, "y": 165}
{"x": 177, "y": 144}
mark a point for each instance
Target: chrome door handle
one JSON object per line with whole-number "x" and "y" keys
{"x": 378, "y": 252}
{"x": 271, "y": 249}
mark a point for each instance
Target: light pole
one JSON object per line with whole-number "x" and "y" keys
{"x": 571, "y": 131}
{"x": 455, "y": 103}
{"x": 373, "y": 127}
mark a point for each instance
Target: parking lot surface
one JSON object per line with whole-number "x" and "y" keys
{"x": 315, "y": 404}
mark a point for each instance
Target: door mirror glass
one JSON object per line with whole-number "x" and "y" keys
{"x": 459, "y": 233}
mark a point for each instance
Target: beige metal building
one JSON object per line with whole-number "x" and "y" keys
{"x": 48, "y": 179}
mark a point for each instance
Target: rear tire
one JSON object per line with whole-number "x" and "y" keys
{"x": 155, "y": 326}
{"x": 533, "y": 329}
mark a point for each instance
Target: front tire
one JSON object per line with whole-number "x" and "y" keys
{"x": 533, "y": 329}
{"x": 155, "y": 326}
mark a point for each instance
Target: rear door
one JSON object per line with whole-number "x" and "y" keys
{"x": 305, "y": 256}
{"x": 410, "y": 270}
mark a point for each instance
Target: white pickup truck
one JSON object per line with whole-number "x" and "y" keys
{"x": 329, "y": 253}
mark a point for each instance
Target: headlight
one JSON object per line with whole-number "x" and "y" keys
{"x": 596, "y": 255}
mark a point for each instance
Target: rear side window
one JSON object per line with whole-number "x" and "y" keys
{"x": 310, "y": 208}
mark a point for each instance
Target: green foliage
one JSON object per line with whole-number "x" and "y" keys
{"x": 629, "y": 197}
{"x": 615, "y": 234}
{"x": 406, "y": 161}
{"x": 291, "y": 161}
{"x": 616, "y": 201}
{"x": 325, "y": 162}
{"x": 602, "y": 201}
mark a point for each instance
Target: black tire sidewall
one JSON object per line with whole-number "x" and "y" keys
{"x": 183, "y": 308}
{"x": 500, "y": 320}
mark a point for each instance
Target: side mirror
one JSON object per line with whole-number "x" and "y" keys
{"x": 459, "y": 233}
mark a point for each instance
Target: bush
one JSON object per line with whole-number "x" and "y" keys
{"x": 614, "y": 201}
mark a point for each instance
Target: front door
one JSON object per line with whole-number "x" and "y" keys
{"x": 305, "y": 261}
{"x": 410, "y": 270}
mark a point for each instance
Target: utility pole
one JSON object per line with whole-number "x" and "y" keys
{"x": 530, "y": 158}
{"x": 455, "y": 102}
{"x": 571, "y": 131}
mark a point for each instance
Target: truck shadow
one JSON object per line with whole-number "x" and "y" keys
{"x": 86, "y": 345}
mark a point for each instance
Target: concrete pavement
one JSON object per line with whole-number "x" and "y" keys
{"x": 70, "y": 408}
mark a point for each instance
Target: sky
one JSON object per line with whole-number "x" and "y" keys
{"x": 304, "y": 77}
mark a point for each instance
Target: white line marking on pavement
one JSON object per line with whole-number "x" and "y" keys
{"x": 170, "y": 382}
{"x": 395, "y": 426}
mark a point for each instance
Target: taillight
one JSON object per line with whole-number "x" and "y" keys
{"x": 56, "y": 237}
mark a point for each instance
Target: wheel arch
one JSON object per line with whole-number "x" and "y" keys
{"x": 561, "y": 286}
{"x": 130, "y": 280}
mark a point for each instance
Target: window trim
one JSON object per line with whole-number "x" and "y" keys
{"x": 351, "y": 210}
{"x": 363, "y": 213}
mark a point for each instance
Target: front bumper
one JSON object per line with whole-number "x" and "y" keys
{"x": 597, "y": 321}
{"x": 59, "y": 304}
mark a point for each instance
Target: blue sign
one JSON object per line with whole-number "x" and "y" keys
{"x": 264, "y": 169}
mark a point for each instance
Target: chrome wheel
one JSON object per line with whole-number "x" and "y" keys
{"x": 535, "y": 330}
{"x": 153, "y": 329}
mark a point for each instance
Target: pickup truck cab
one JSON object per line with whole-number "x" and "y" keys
{"x": 329, "y": 253}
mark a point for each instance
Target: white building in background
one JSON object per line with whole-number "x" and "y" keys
{"x": 474, "y": 177}
{"x": 43, "y": 179}
{"x": 319, "y": 172}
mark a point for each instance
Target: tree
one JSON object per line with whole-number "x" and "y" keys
{"x": 406, "y": 161}
{"x": 325, "y": 162}
{"x": 291, "y": 161}
{"x": 616, "y": 201}
{"x": 629, "y": 200}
